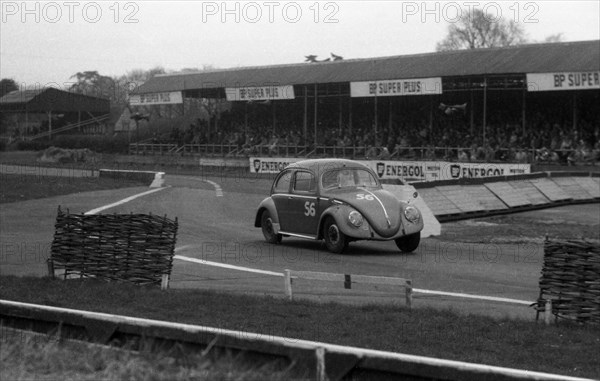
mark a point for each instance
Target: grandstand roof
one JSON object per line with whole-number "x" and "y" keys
{"x": 532, "y": 58}
{"x": 51, "y": 99}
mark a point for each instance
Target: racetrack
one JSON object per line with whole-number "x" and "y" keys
{"x": 216, "y": 216}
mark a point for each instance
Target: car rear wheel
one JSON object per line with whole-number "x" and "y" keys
{"x": 409, "y": 243}
{"x": 266, "y": 223}
{"x": 335, "y": 240}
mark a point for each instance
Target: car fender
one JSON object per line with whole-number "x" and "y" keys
{"x": 266, "y": 204}
{"x": 339, "y": 213}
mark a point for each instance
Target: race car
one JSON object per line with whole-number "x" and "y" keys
{"x": 339, "y": 201}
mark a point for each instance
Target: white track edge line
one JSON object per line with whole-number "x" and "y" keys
{"x": 123, "y": 201}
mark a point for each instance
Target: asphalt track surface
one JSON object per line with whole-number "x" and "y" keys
{"x": 216, "y": 217}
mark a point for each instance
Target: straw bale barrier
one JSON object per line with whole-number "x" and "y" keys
{"x": 137, "y": 248}
{"x": 571, "y": 279}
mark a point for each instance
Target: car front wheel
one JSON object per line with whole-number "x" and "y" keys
{"x": 335, "y": 240}
{"x": 409, "y": 243}
{"x": 266, "y": 222}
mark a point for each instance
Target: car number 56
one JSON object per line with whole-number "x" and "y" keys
{"x": 367, "y": 197}
{"x": 310, "y": 209}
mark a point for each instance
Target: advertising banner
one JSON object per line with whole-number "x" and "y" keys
{"x": 408, "y": 171}
{"x": 173, "y": 97}
{"x": 396, "y": 87}
{"x": 259, "y": 93}
{"x": 563, "y": 81}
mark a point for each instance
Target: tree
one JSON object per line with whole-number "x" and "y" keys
{"x": 93, "y": 84}
{"x": 477, "y": 29}
{"x": 130, "y": 81}
{"x": 7, "y": 85}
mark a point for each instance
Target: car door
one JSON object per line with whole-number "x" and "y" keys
{"x": 304, "y": 204}
{"x": 280, "y": 195}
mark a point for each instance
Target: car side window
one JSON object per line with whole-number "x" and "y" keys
{"x": 304, "y": 182}
{"x": 282, "y": 184}
{"x": 366, "y": 179}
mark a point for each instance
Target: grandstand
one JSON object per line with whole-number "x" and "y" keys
{"x": 43, "y": 112}
{"x": 529, "y": 103}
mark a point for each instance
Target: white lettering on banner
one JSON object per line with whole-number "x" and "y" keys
{"x": 269, "y": 165}
{"x": 409, "y": 171}
{"x": 563, "y": 81}
{"x": 259, "y": 93}
{"x": 396, "y": 87}
{"x": 173, "y": 97}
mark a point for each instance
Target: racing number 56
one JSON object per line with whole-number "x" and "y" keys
{"x": 309, "y": 209}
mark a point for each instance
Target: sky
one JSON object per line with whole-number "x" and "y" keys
{"x": 45, "y": 43}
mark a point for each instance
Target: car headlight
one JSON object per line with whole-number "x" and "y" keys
{"x": 355, "y": 218}
{"x": 411, "y": 213}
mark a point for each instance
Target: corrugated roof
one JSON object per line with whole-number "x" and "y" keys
{"x": 533, "y": 58}
{"x": 51, "y": 99}
{"x": 20, "y": 96}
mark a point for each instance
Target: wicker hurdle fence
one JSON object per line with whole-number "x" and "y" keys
{"x": 570, "y": 281}
{"x": 136, "y": 248}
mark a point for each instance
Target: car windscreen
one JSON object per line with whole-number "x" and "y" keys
{"x": 348, "y": 177}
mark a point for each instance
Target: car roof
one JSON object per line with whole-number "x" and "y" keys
{"x": 321, "y": 165}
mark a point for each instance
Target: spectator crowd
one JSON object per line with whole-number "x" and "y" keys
{"x": 546, "y": 138}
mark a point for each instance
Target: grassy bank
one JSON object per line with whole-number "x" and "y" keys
{"x": 26, "y": 356}
{"x": 16, "y": 187}
{"x": 567, "y": 349}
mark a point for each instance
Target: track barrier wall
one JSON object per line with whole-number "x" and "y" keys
{"x": 479, "y": 197}
{"x": 322, "y": 361}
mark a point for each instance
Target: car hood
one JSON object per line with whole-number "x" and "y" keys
{"x": 371, "y": 204}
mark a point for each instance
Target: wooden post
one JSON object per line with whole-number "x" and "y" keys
{"x": 472, "y": 115}
{"x": 274, "y": 115}
{"x": 484, "y": 108}
{"x": 245, "y": 119}
{"x": 574, "y": 110}
{"x": 288, "y": 284}
{"x": 375, "y": 121}
{"x": 320, "y": 354}
{"x": 524, "y": 111}
{"x": 409, "y": 292}
{"x": 50, "y": 267}
{"x": 340, "y": 116}
{"x": 305, "y": 120}
{"x": 315, "y": 115}
{"x": 548, "y": 311}
{"x": 164, "y": 284}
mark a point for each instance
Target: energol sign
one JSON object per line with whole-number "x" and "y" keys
{"x": 408, "y": 171}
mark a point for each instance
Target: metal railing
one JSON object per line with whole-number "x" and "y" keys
{"x": 85, "y": 123}
{"x": 503, "y": 155}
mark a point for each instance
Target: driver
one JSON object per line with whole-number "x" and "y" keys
{"x": 345, "y": 178}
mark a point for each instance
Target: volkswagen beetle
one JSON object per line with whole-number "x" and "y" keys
{"x": 339, "y": 201}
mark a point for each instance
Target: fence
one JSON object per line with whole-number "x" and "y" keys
{"x": 347, "y": 280}
{"x": 503, "y": 155}
{"x": 570, "y": 281}
{"x": 137, "y": 248}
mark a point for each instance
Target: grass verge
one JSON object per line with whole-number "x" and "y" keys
{"x": 26, "y": 356}
{"x": 15, "y": 187}
{"x": 566, "y": 348}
